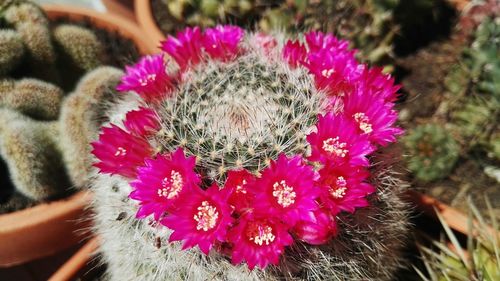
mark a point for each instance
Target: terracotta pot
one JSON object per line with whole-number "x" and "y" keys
{"x": 120, "y": 7}
{"x": 112, "y": 22}
{"x": 74, "y": 266}
{"x": 42, "y": 230}
{"x": 146, "y": 21}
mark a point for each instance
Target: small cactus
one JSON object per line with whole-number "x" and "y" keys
{"x": 247, "y": 113}
{"x": 29, "y": 148}
{"x": 78, "y": 44}
{"x": 432, "y": 151}
{"x": 35, "y": 98}
{"x": 11, "y": 50}
{"x": 81, "y": 117}
{"x": 478, "y": 261}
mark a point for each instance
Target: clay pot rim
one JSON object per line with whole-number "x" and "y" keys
{"x": 108, "y": 21}
{"x": 146, "y": 21}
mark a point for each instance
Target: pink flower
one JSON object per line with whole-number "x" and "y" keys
{"x": 372, "y": 115}
{"x": 148, "y": 78}
{"x": 162, "y": 181}
{"x": 381, "y": 84}
{"x": 259, "y": 240}
{"x": 120, "y": 152}
{"x": 294, "y": 53}
{"x": 238, "y": 182}
{"x": 203, "y": 218}
{"x": 221, "y": 42}
{"x": 317, "y": 40}
{"x": 142, "y": 122}
{"x": 337, "y": 139}
{"x": 286, "y": 189}
{"x": 185, "y": 48}
{"x": 318, "y": 229}
{"x": 337, "y": 72}
{"x": 344, "y": 188}
{"x": 263, "y": 42}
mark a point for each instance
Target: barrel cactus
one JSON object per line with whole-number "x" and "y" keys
{"x": 252, "y": 157}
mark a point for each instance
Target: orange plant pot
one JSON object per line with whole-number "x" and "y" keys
{"x": 146, "y": 21}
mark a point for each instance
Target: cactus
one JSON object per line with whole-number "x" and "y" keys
{"x": 30, "y": 150}
{"x": 35, "y": 98}
{"x": 433, "y": 152}
{"x": 480, "y": 262}
{"x": 14, "y": 202}
{"x": 11, "y": 50}
{"x": 81, "y": 118}
{"x": 78, "y": 44}
{"x": 234, "y": 107}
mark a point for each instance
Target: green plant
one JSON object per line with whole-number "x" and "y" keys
{"x": 11, "y": 50}
{"x": 479, "y": 261}
{"x": 81, "y": 117}
{"x": 432, "y": 152}
{"x": 30, "y": 151}
{"x": 35, "y": 98}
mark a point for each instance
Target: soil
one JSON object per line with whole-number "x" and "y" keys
{"x": 422, "y": 75}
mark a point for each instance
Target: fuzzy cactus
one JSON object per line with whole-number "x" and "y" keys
{"x": 11, "y": 50}
{"x": 480, "y": 260}
{"x": 29, "y": 148}
{"x": 35, "y": 98}
{"x": 432, "y": 151}
{"x": 78, "y": 44}
{"x": 265, "y": 140}
{"x": 81, "y": 118}
{"x": 32, "y": 25}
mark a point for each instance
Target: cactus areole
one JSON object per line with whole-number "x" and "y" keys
{"x": 246, "y": 143}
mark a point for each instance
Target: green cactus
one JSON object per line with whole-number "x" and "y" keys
{"x": 29, "y": 148}
{"x": 35, "y": 98}
{"x": 480, "y": 262}
{"x": 14, "y": 202}
{"x": 11, "y": 50}
{"x": 432, "y": 152}
{"x": 81, "y": 117}
{"x": 78, "y": 44}
{"x": 238, "y": 114}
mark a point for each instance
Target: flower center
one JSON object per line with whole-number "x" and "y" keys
{"x": 149, "y": 78}
{"x": 260, "y": 234}
{"x": 120, "y": 151}
{"x": 206, "y": 217}
{"x": 364, "y": 122}
{"x": 240, "y": 188}
{"x": 327, "y": 72}
{"x": 333, "y": 146}
{"x": 284, "y": 193}
{"x": 339, "y": 189}
{"x": 171, "y": 186}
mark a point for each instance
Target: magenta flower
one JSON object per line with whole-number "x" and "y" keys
{"x": 344, "y": 188}
{"x": 162, "y": 181}
{"x": 259, "y": 240}
{"x": 120, "y": 152}
{"x": 318, "y": 229}
{"x": 142, "y": 122}
{"x": 317, "y": 40}
{"x": 203, "y": 219}
{"x": 237, "y": 182}
{"x": 337, "y": 140}
{"x": 222, "y": 41}
{"x": 334, "y": 71}
{"x": 263, "y": 42}
{"x": 294, "y": 53}
{"x": 148, "y": 78}
{"x": 185, "y": 47}
{"x": 372, "y": 116}
{"x": 286, "y": 189}
{"x": 381, "y": 84}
